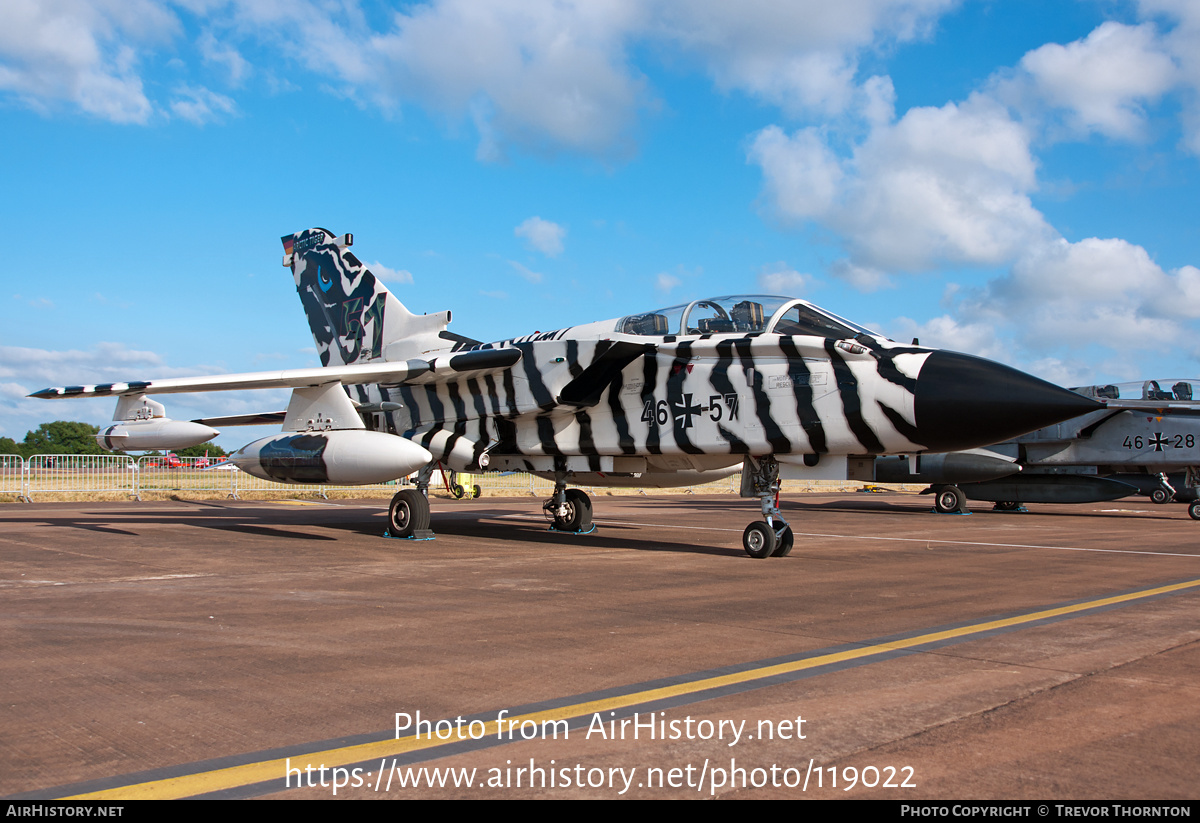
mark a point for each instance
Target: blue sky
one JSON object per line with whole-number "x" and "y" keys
{"x": 1015, "y": 180}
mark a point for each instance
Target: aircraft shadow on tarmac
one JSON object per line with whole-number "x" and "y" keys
{"x": 235, "y": 520}
{"x": 511, "y": 523}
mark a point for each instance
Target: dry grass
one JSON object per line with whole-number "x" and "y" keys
{"x": 372, "y": 493}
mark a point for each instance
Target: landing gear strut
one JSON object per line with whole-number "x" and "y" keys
{"x": 1165, "y": 492}
{"x": 570, "y": 510}
{"x": 771, "y": 536}
{"x": 1192, "y": 480}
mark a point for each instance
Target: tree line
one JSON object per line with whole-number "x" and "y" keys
{"x": 69, "y": 437}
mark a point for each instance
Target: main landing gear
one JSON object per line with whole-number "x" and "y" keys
{"x": 949, "y": 499}
{"x": 1191, "y": 480}
{"x": 771, "y": 536}
{"x": 408, "y": 513}
{"x": 408, "y": 516}
{"x": 569, "y": 510}
{"x": 1165, "y": 492}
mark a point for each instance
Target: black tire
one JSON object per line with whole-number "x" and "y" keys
{"x": 579, "y": 512}
{"x": 1008, "y": 506}
{"x": 759, "y": 540}
{"x": 476, "y": 492}
{"x": 408, "y": 513}
{"x": 783, "y": 542}
{"x": 458, "y": 491}
{"x": 1160, "y": 496}
{"x": 1194, "y": 510}
{"x": 948, "y": 499}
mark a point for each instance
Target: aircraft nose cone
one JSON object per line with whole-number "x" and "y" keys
{"x": 963, "y": 402}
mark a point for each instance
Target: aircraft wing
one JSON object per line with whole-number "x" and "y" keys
{"x": 454, "y": 366}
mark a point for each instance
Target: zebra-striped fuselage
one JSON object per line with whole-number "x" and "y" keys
{"x": 755, "y": 394}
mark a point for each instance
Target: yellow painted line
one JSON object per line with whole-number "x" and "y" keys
{"x": 250, "y": 773}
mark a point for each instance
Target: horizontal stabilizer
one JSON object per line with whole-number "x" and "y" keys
{"x": 261, "y": 419}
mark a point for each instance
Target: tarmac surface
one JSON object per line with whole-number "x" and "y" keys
{"x": 206, "y": 648}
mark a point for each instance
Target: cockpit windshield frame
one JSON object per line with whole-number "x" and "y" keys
{"x": 742, "y": 314}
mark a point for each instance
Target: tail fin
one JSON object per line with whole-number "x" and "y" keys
{"x": 352, "y": 315}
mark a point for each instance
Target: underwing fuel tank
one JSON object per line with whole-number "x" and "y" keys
{"x": 962, "y": 402}
{"x": 352, "y": 457}
{"x": 973, "y": 466}
{"x": 159, "y": 433}
{"x": 1049, "y": 488}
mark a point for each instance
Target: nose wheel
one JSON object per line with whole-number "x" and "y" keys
{"x": 761, "y": 540}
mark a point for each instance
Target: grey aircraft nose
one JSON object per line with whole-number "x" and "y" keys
{"x": 963, "y": 402}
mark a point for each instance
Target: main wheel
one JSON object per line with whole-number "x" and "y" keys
{"x": 408, "y": 513}
{"x": 1160, "y": 495}
{"x": 783, "y": 542}
{"x": 1194, "y": 510}
{"x": 759, "y": 540}
{"x": 948, "y": 499}
{"x": 1008, "y": 506}
{"x": 579, "y": 512}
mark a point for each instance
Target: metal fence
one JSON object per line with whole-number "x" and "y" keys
{"x": 12, "y": 475}
{"x": 51, "y": 474}
{"x": 80, "y": 474}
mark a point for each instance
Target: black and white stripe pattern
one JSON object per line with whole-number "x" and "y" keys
{"x": 721, "y": 394}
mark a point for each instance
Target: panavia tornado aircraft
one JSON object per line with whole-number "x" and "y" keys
{"x": 769, "y": 386}
{"x": 1144, "y": 432}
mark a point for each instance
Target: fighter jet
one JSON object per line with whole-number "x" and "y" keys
{"x": 1145, "y": 432}
{"x": 773, "y": 387}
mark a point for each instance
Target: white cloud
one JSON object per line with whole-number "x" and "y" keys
{"x": 1182, "y": 42}
{"x": 198, "y": 105}
{"x": 664, "y": 283}
{"x": 948, "y": 332}
{"x": 801, "y": 175}
{"x": 1101, "y": 83}
{"x": 863, "y": 278}
{"x": 542, "y": 235}
{"x": 543, "y": 74}
{"x": 802, "y": 56}
{"x": 24, "y": 370}
{"x": 553, "y": 74}
{"x": 225, "y": 55}
{"x": 1085, "y": 298}
{"x": 951, "y": 186}
{"x": 388, "y": 275}
{"x": 779, "y": 278}
{"x": 528, "y": 274}
{"x": 81, "y": 52}
{"x": 941, "y": 185}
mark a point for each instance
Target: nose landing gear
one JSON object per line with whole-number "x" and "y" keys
{"x": 771, "y": 536}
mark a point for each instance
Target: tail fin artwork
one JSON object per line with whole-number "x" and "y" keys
{"x": 352, "y": 315}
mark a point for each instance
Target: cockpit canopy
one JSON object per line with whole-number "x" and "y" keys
{"x": 742, "y": 314}
{"x": 1161, "y": 390}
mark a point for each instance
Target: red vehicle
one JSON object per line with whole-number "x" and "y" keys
{"x": 167, "y": 461}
